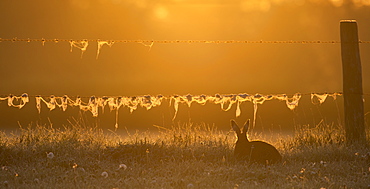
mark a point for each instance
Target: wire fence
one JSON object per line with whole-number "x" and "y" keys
{"x": 226, "y": 101}
{"x": 83, "y": 43}
{"x": 42, "y": 40}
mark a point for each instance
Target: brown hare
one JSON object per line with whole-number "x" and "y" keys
{"x": 253, "y": 151}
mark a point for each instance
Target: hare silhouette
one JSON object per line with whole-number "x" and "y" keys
{"x": 253, "y": 151}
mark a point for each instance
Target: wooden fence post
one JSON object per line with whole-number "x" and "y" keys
{"x": 354, "y": 122}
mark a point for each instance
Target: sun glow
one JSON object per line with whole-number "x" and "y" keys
{"x": 255, "y": 5}
{"x": 160, "y": 12}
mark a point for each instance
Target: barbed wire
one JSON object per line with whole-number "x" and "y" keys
{"x": 169, "y": 96}
{"x": 226, "y": 102}
{"x": 42, "y": 40}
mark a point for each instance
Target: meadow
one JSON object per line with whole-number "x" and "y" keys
{"x": 185, "y": 156}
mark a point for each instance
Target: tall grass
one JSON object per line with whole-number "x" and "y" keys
{"x": 184, "y": 156}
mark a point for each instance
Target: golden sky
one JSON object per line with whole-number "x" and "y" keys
{"x": 133, "y": 69}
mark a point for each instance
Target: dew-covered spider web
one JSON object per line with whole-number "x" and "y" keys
{"x": 226, "y": 102}
{"x": 16, "y": 101}
{"x": 101, "y": 44}
{"x": 81, "y": 44}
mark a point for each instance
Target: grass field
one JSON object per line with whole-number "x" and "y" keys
{"x": 185, "y": 156}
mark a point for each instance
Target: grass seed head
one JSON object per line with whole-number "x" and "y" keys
{"x": 82, "y": 170}
{"x": 122, "y": 166}
{"x": 50, "y": 155}
{"x": 104, "y": 174}
{"x": 74, "y": 166}
{"x": 190, "y": 185}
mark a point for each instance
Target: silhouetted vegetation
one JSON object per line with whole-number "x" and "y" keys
{"x": 185, "y": 156}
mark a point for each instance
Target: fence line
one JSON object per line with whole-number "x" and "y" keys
{"x": 146, "y": 101}
{"x": 352, "y": 74}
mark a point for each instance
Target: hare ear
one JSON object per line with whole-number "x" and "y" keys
{"x": 235, "y": 127}
{"x": 246, "y": 126}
